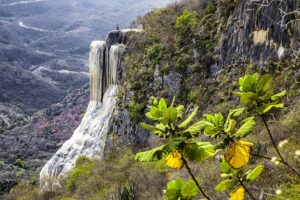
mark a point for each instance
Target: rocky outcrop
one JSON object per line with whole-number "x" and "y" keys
{"x": 89, "y": 138}
{"x": 258, "y": 31}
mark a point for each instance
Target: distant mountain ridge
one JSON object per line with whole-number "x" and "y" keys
{"x": 44, "y": 47}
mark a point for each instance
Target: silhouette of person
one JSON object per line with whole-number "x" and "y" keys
{"x": 118, "y": 28}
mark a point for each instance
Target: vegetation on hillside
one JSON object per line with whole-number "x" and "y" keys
{"x": 182, "y": 39}
{"x": 181, "y": 146}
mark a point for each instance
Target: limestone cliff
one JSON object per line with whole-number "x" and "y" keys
{"x": 90, "y": 137}
{"x": 260, "y": 31}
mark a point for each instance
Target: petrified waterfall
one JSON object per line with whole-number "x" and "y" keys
{"x": 97, "y": 66}
{"x": 90, "y": 137}
{"x": 114, "y": 61}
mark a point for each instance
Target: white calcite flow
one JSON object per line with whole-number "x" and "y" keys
{"x": 90, "y": 137}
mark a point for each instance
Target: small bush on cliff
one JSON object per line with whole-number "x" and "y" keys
{"x": 136, "y": 111}
{"x": 186, "y": 27}
{"x": 81, "y": 172}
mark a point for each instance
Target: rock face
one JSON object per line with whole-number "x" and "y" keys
{"x": 89, "y": 138}
{"x": 258, "y": 31}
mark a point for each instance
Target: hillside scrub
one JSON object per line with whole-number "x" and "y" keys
{"x": 114, "y": 176}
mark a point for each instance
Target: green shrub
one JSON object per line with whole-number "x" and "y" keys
{"x": 210, "y": 8}
{"x": 186, "y": 26}
{"x": 136, "y": 111}
{"x": 191, "y": 96}
{"x": 135, "y": 86}
{"x": 82, "y": 171}
{"x": 155, "y": 53}
{"x": 20, "y": 163}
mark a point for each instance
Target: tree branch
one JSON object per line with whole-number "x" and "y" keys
{"x": 194, "y": 179}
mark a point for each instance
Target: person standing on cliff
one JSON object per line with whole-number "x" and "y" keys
{"x": 118, "y": 28}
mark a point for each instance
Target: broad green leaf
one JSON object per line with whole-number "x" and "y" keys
{"x": 216, "y": 119}
{"x": 175, "y": 144}
{"x": 149, "y": 127}
{"x": 151, "y": 155}
{"x": 226, "y": 176}
{"x": 174, "y": 189}
{"x": 199, "y": 151}
{"x": 180, "y": 111}
{"x": 235, "y": 113}
{"x": 162, "y": 105}
{"x": 188, "y": 119}
{"x": 225, "y": 167}
{"x": 231, "y": 126}
{"x": 263, "y": 84}
{"x": 162, "y": 130}
{"x": 154, "y": 114}
{"x": 212, "y": 131}
{"x": 246, "y": 128}
{"x": 170, "y": 116}
{"x": 238, "y": 94}
{"x": 248, "y": 82}
{"x": 195, "y": 129}
{"x": 214, "y": 124}
{"x": 159, "y": 129}
{"x": 173, "y": 194}
{"x": 238, "y": 112}
{"x": 189, "y": 190}
{"x": 278, "y": 96}
{"x": 210, "y": 118}
{"x": 254, "y": 173}
{"x": 248, "y": 98}
{"x": 268, "y": 108}
{"x": 219, "y": 120}
{"x": 225, "y": 185}
{"x": 155, "y": 101}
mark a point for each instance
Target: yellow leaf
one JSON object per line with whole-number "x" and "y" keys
{"x": 238, "y": 154}
{"x": 174, "y": 160}
{"x": 238, "y": 194}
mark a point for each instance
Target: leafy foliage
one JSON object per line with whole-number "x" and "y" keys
{"x": 180, "y": 146}
{"x": 186, "y": 26}
{"x": 168, "y": 125}
{"x": 152, "y": 155}
{"x": 82, "y": 170}
{"x": 234, "y": 178}
{"x": 214, "y": 125}
{"x": 199, "y": 151}
{"x": 253, "y": 174}
{"x": 181, "y": 189}
{"x": 225, "y": 185}
{"x": 257, "y": 94}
